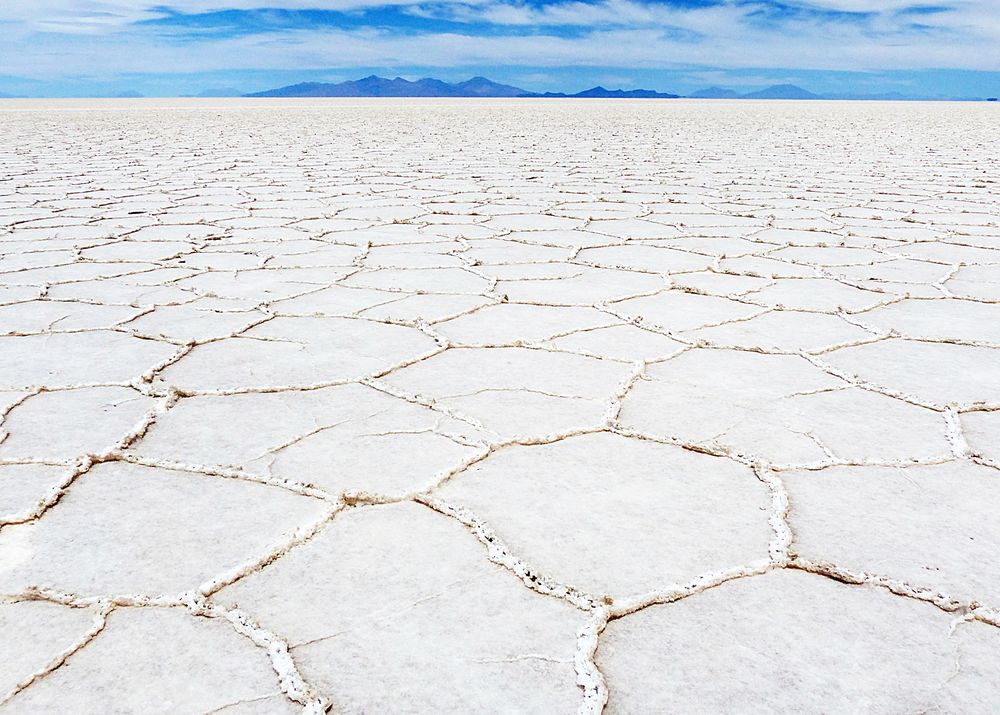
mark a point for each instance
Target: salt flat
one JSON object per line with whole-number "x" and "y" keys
{"x": 499, "y": 406}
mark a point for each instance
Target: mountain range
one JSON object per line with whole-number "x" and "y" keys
{"x": 374, "y": 86}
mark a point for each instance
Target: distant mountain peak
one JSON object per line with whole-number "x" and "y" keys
{"x": 777, "y": 91}
{"x": 715, "y": 93}
{"x": 782, "y": 91}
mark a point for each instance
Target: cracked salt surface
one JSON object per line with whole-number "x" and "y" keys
{"x": 396, "y": 406}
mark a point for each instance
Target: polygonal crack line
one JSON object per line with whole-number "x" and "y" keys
{"x": 589, "y": 677}
{"x": 31, "y": 392}
{"x": 827, "y": 463}
{"x": 290, "y": 680}
{"x": 430, "y": 404}
{"x": 541, "y": 344}
{"x": 850, "y": 318}
{"x": 290, "y": 485}
{"x": 985, "y": 461}
{"x": 967, "y": 609}
{"x": 498, "y": 553}
{"x": 954, "y": 433}
{"x": 183, "y": 346}
{"x": 857, "y": 381}
{"x": 85, "y": 463}
{"x": 706, "y": 343}
{"x": 101, "y": 611}
{"x": 198, "y": 602}
{"x": 950, "y": 297}
{"x": 594, "y": 685}
{"x": 268, "y": 389}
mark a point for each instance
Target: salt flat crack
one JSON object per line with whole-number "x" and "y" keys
{"x": 100, "y": 620}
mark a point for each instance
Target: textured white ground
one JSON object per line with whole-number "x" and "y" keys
{"x": 499, "y": 407}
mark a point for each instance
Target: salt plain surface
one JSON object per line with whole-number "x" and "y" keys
{"x": 499, "y": 406}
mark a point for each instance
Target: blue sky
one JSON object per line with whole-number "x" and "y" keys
{"x": 172, "y": 47}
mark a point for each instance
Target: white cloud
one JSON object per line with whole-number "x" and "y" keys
{"x": 86, "y": 15}
{"x": 869, "y": 5}
{"x": 54, "y": 38}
